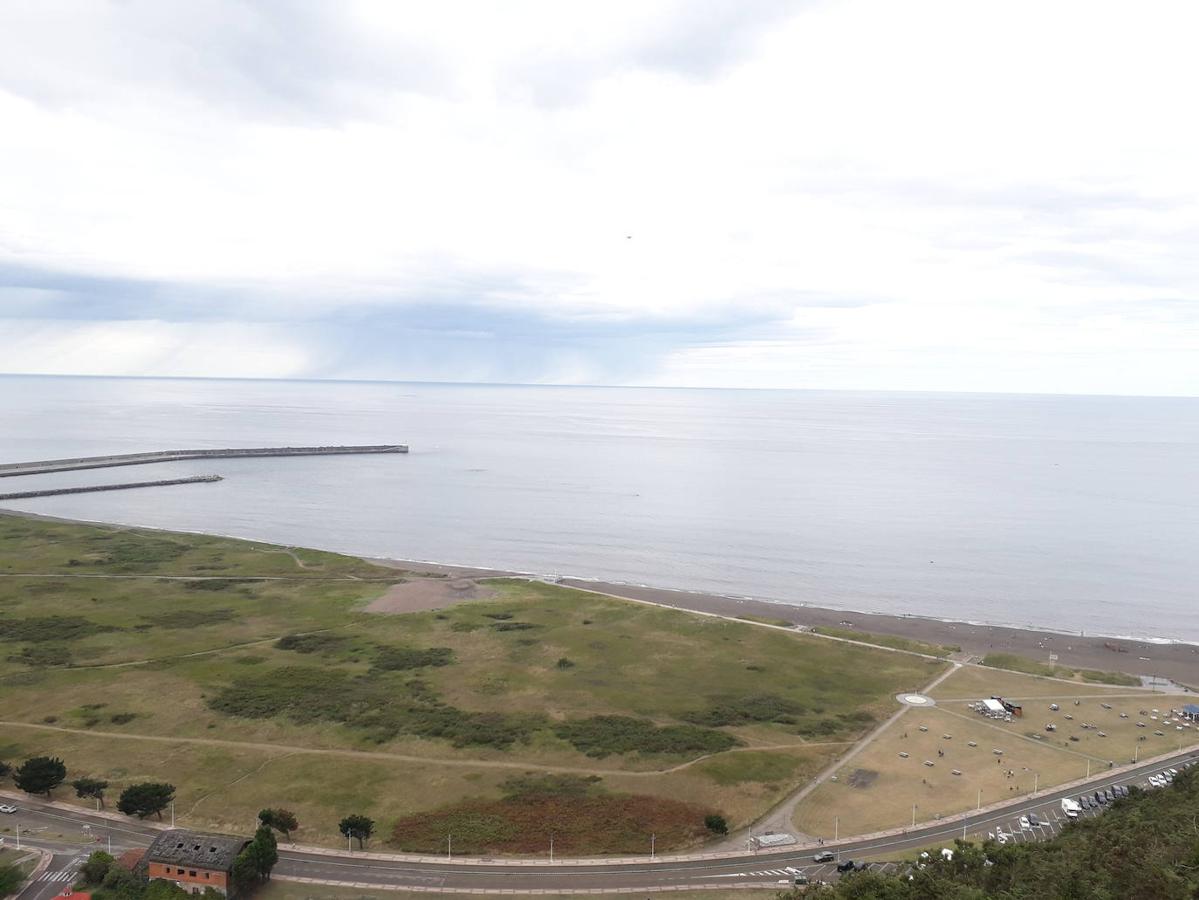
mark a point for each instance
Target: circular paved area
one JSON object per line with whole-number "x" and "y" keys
{"x": 915, "y": 700}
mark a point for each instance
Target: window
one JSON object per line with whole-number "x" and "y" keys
{"x": 192, "y": 873}
{"x": 178, "y": 871}
{"x": 205, "y": 874}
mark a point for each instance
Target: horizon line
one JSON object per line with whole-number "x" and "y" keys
{"x": 535, "y": 384}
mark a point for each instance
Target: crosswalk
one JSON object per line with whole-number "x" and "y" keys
{"x": 62, "y": 875}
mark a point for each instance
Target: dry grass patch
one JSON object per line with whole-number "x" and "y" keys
{"x": 892, "y": 784}
{"x": 977, "y": 682}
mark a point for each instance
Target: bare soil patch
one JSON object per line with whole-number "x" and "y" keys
{"x": 862, "y": 778}
{"x": 422, "y": 594}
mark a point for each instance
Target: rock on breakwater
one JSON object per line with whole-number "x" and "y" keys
{"x": 39, "y": 467}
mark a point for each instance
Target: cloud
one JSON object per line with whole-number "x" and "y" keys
{"x": 863, "y": 193}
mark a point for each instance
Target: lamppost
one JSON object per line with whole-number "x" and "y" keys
{"x": 913, "y": 815}
{"x": 449, "y": 846}
{"x": 652, "y": 839}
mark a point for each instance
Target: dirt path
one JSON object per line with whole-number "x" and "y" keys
{"x": 279, "y": 750}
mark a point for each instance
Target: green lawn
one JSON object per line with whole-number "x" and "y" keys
{"x": 888, "y": 640}
{"x": 251, "y": 658}
{"x": 1016, "y": 663}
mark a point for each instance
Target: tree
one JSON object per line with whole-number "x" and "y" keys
{"x": 265, "y": 851}
{"x": 90, "y": 787}
{"x": 282, "y": 820}
{"x": 716, "y": 824}
{"x": 40, "y": 774}
{"x": 5, "y": 768}
{"x": 245, "y": 869}
{"x": 96, "y": 867}
{"x": 358, "y": 827}
{"x": 148, "y": 797}
{"x": 121, "y": 883}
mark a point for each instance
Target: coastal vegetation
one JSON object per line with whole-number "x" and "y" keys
{"x": 894, "y": 641}
{"x": 1015, "y": 663}
{"x": 211, "y": 662}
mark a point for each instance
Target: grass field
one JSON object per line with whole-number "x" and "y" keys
{"x": 1015, "y": 663}
{"x": 889, "y": 640}
{"x": 878, "y": 788}
{"x": 249, "y": 675}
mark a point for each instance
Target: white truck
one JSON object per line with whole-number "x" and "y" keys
{"x": 1071, "y": 808}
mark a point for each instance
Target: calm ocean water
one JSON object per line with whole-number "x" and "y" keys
{"x": 1061, "y": 512}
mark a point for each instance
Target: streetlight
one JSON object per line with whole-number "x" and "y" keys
{"x": 551, "y": 846}
{"x": 980, "y": 799}
{"x": 652, "y": 839}
{"x": 913, "y": 815}
{"x": 836, "y": 828}
{"x": 449, "y": 845}
{"x": 1036, "y": 779}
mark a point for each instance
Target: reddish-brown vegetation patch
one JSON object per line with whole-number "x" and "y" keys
{"x": 603, "y": 823}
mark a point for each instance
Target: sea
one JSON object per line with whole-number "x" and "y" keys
{"x": 1070, "y": 513}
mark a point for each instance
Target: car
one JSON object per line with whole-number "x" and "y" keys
{"x": 799, "y": 878}
{"x": 847, "y": 866}
{"x": 1035, "y": 820}
{"x": 1001, "y": 837}
{"x": 1099, "y": 798}
{"x": 1024, "y": 824}
{"x": 1084, "y": 801}
{"x": 825, "y": 856}
{"x": 1173, "y": 772}
{"x": 1123, "y": 789}
{"x": 7, "y": 809}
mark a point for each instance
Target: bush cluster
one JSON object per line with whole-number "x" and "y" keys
{"x": 744, "y": 710}
{"x": 41, "y": 629}
{"x": 392, "y": 659}
{"x": 601, "y": 736}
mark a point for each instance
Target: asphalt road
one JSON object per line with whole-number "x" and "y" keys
{"x": 767, "y": 868}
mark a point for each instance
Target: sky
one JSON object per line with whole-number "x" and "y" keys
{"x": 957, "y": 195}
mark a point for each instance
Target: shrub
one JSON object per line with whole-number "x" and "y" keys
{"x": 372, "y": 702}
{"x": 600, "y": 736}
{"x": 398, "y": 658}
{"x": 191, "y": 618}
{"x": 743, "y": 710}
{"x": 310, "y": 643}
{"x": 42, "y": 629}
{"x": 564, "y": 663}
{"x": 716, "y": 824}
{"x": 513, "y": 626}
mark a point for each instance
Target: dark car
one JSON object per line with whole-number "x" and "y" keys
{"x": 1099, "y": 798}
{"x": 847, "y": 866}
{"x": 1110, "y": 796}
{"x": 825, "y": 856}
{"x": 1034, "y": 819}
{"x": 1123, "y": 789}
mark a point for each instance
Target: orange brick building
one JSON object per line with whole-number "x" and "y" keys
{"x": 193, "y": 860}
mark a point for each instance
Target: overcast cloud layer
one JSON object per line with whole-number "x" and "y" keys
{"x": 753, "y": 193}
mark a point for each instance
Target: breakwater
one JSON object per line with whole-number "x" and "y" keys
{"x": 40, "y": 467}
{"x": 53, "y": 492}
